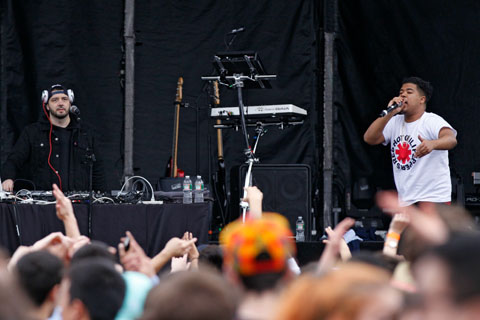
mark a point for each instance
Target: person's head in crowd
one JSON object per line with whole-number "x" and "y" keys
{"x": 91, "y": 289}
{"x": 352, "y": 291}
{"x": 94, "y": 249}
{"x": 39, "y": 274}
{"x": 3, "y": 258}
{"x": 370, "y": 302}
{"x": 448, "y": 277}
{"x": 411, "y": 245}
{"x": 198, "y": 295}
{"x": 455, "y": 219}
{"x": 412, "y": 307}
{"x": 256, "y": 252}
{"x": 14, "y": 304}
{"x": 211, "y": 255}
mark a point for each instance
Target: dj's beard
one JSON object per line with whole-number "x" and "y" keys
{"x": 59, "y": 116}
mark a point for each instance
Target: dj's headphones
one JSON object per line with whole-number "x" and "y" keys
{"x": 58, "y": 88}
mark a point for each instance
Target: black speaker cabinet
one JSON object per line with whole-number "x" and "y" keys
{"x": 286, "y": 189}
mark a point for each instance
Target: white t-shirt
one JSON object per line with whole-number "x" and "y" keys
{"x": 418, "y": 179}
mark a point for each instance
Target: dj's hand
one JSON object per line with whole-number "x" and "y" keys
{"x": 7, "y": 185}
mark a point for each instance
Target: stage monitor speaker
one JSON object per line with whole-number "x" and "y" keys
{"x": 286, "y": 189}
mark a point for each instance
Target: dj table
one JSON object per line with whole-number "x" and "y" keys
{"x": 151, "y": 225}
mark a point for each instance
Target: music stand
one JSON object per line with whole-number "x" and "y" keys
{"x": 242, "y": 70}
{"x": 246, "y": 63}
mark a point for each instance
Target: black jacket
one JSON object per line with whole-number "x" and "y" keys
{"x": 30, "y": 157}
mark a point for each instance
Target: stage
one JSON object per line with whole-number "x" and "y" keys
{"x": 151, "y": 225}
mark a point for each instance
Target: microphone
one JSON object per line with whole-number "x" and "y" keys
{"x": 234, "y": 31}
{"x": 74, "y": 109}
{"x": 391, "y": 108}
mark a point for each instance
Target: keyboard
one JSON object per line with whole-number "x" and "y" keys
{"x": 277, "y": 114}
{"x": 259, "y": 111}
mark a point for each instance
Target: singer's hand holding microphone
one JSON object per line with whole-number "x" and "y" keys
{"x": 395, "y": 105}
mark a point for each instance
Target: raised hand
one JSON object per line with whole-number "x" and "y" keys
{"x": 425, "y": 220}
{"x": 399, "y": 222}
{"x": 179, "y": 264}
{"x": 192, "y": 250}
{"x": 65, "y": 213}
{"x": 176, "y": 247}
{"x": 332, "y": 248}
{"x": 254, "y": 198}
{"x": 135, "y": 258}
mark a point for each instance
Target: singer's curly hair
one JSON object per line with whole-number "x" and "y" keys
{"x": 425, "y": 87}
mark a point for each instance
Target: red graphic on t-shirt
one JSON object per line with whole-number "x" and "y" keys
{"x": 403, "y": 152}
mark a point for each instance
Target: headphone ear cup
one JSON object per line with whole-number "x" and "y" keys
{"x": 44, "y": 96}
{"x": 71, "y": 96}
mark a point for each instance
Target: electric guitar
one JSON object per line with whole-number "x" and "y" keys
{"x": 172, "y": 167}
{"x": 220, "y": 181}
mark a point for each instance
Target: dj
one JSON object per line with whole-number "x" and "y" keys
{"x": 56, "y": 149}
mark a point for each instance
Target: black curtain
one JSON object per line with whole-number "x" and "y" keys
{"x": 382, "y": 42}
{"x": 79, "y": 43}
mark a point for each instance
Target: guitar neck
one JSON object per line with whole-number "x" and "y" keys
{"x": 216, "y": 103}
{"x": 219, "y": 141}
{"x": 176, "y": 125}
{"x": 175, "y": 141}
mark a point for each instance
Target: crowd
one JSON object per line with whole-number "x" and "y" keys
{"x": 427, "y": 270}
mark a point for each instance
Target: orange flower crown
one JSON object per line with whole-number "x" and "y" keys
{"x": 258, "y": 245}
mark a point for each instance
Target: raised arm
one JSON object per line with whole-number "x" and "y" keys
{"x": 399, "y": 222}
{"x": 332, "y": 248}
{"x": 175, "y": 247}
{"x": 254, "y": 198}
{"x": 374, "y": 133}
{"x": 65, "y": 213}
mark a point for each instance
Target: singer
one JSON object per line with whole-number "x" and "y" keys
{"x": 56, "y": 149}
{"x": 419, "y": 143}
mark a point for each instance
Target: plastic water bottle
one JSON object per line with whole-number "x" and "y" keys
{"x": 187, "y": 190}
{"x": 198, "y": 195}
{"x": 300, "y": 230}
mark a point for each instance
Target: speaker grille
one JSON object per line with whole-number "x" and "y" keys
{"x": 286, "y": 190}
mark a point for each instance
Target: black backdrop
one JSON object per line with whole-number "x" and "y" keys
{"x": 379, "y": 42}
{"x": 382, "y": 42}
{"x": 79, "y": 43}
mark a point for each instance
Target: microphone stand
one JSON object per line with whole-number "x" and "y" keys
{"x": 90, "y": 159}
{"x": 238, "y": 84}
